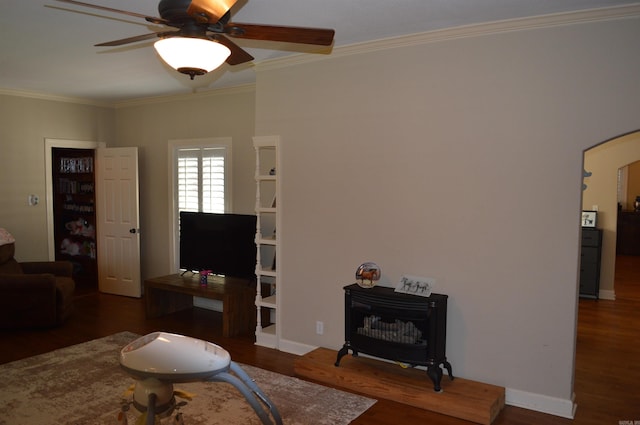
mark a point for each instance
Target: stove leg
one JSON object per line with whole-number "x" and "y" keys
{"x": 344, "y": 351}
{"x": 435, "y": 373}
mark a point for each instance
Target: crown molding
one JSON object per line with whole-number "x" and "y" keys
{"x": 244, "y": 88}
{"x": 466, "y": 31}
{"x": 54, "y": 98}
{"x": 224, "y": 91}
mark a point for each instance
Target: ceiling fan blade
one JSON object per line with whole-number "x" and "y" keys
{"x": 318, "y": 36}
{"x": 137, "y": 38}
{"x": 151, "y": 19}
{"x": 238, "y": 54}
{"x": 209, "y": 10}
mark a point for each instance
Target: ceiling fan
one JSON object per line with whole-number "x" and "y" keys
{"x": 204, "y": 26}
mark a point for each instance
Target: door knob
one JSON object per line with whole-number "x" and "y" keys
{"x": 132, "y": 231}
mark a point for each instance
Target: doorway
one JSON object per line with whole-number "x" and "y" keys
{"x": 606, "y": 327}
{"x": 74, "y": 213}
{"x": 627, "y": 266}
{"x": 602, "y": 163}
{"x": 68, "y": 214}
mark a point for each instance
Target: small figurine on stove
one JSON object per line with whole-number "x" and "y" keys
{"x": 367, "y": 274}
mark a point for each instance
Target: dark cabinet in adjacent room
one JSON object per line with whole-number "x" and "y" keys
{"x": 628, "y": 233}
{"x": 591, "y": 252}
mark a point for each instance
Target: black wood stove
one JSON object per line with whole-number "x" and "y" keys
{"x": 404, "y": 328}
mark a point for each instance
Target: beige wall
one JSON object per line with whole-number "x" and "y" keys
{"x": 150, "y": 126}
{"x": 459, "y": 160}
{"x": 24, "y": 125}
{"x": 603, "y": 161}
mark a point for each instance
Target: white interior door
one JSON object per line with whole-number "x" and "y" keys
{"x": 118, "y": 221}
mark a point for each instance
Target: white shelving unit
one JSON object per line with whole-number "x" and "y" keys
{"x": 267, "y": 286}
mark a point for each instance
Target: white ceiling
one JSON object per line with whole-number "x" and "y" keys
{"x": 47, "y": 49}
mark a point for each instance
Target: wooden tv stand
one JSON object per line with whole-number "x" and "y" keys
{"x": 169, "y": 294}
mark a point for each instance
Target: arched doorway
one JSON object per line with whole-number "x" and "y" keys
{"x": 602, "y": 162}
{"x": 606, "y": 327}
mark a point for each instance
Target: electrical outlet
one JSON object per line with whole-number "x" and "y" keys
{"x": 319, "y": 327}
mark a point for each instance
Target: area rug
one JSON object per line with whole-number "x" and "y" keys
{"x": 84, "y": 385}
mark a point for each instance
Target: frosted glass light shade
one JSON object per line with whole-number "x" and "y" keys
{"x": 192, "y": 56}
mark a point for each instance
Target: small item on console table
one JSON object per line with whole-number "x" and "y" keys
{"x": 203, "y": 277}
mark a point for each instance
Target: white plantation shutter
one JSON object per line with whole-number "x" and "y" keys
{"x": 201, "y": 179}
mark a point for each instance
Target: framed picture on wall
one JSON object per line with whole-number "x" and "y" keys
{"x": 589, "y": 218}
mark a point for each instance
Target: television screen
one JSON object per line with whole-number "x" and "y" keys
{"x": 222, "y": 243}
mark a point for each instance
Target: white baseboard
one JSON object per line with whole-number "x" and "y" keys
{"x": 541, "y": 403}
{"x": 293, "y": 347}
{"x": 607, "y": 294}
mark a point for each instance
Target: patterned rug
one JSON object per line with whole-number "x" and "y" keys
{"x": 84, "y": 385}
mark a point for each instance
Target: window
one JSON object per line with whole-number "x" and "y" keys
{"x": 199, "y": 180}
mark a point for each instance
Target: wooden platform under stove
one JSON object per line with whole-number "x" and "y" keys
{"x": 460, "y": 398}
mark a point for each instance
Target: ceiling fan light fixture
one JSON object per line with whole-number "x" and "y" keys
{"x": 190, "y": 55}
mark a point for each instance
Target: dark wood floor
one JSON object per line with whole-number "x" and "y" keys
{"x": 607, "y": 379}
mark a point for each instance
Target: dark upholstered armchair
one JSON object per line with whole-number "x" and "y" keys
{"x": 34, "y": 294}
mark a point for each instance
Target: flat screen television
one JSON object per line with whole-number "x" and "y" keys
{"x": 222, "y": 243}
